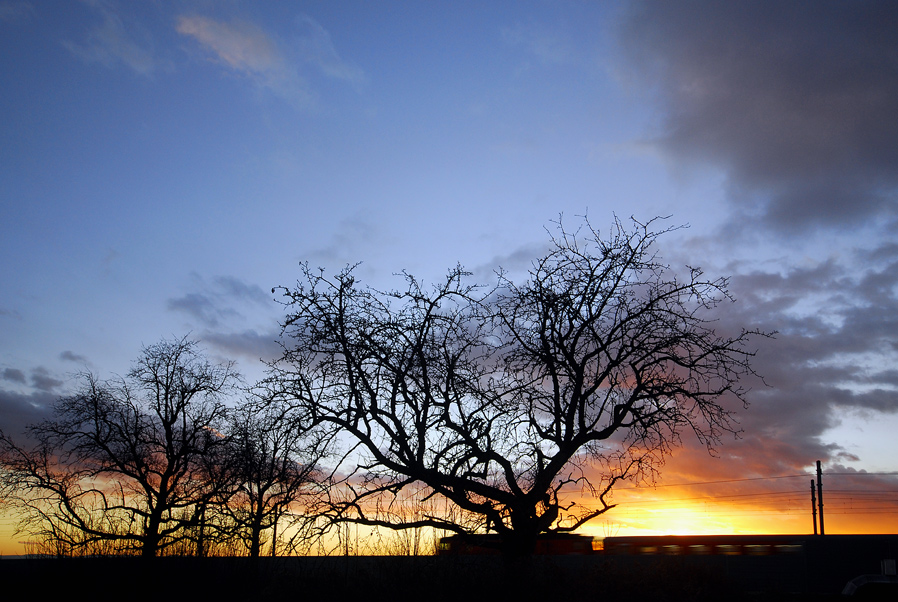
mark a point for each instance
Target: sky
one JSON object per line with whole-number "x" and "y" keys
{"x": 163, "y": 165}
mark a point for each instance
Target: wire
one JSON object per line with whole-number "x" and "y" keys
{"x": 864, "y": 491}
{"x": 861, "y": 474}
{"x": 796, "y": 494}
{"x": 787, "y": 476}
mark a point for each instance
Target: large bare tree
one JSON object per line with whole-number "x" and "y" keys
{"x": 509, "y": 403}
{"x": 132, "y": 461}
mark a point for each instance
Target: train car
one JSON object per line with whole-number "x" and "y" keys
{"x": 549, "y": 544}
{"x": 852, "y": 564}
{"x": 704, "y": 545}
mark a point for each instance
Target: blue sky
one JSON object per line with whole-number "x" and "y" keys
{"x": 163, "y": 165}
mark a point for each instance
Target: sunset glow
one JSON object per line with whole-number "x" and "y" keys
{"x": 166, "y": 166}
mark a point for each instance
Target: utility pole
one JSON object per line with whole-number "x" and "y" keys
{"x": 820, "y": 495}
{"x": 814, "y": 506}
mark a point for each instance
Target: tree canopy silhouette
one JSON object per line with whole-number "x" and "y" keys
{"x": 132, "y": 461}
{"x": 502, "y": 405}
{"x": 274, "y": 460}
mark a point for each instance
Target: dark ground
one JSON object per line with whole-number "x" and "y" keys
{"x": 472, "y": 578}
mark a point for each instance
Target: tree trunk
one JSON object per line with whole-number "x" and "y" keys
{"x": 201, "y": 536}
{"x": 151, "y": 537}
{"x": 150, "y": 546}
{"x": 255, "y": 535}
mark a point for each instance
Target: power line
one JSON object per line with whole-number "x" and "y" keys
{"x": 750, "y": 479}
{"x": 795, "y": 494}
{"x": 787, "y": 476}
{"x": 861, "y": 474}
{"x": 877, "y": 491}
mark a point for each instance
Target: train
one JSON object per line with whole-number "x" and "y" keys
{"x": 851, "y": 564}
{"x": 668, "y": 545}
{"x": 703, "y": 545}
{"x": 547, "y": 544}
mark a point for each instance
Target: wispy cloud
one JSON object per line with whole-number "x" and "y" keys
{"x": 255, "y": 53}
{"x": 71, "y": 356}
{"x": 237, "y": 289}
{"x": 248, "y": 344}
{"x": 114, "y": 42}
{"x": 201, "y": 307}
{"x": 14, "y": 375}
{"x": 315, "y": 46}
{"x": 342, "y": 247}
{"x": 222, "y": 307}
{"x": 215, "y": 304}
{"x": 549, "y": 47}
{"x": 43, "y": 381}
{"x": 239, "y": 44}
{"x": 246, "y": 48}
{"x": 11, "y": 11}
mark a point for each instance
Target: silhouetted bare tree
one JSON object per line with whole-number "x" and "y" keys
{"x": 274, "y": 458}
{"x": 509, "y": 402}
{"x": 133, "y": 460}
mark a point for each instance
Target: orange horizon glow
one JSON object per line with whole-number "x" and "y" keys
{"x": 657, "y": 512}
{"x": 646, "y": 511}
{"x": 701, "y": 496}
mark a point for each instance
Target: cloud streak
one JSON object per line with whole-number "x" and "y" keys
{"x": 316, "y": 47}
{"x": 220, "y": 309}
{"x": 71, "y": 356}
{"x": 248, "y": 344}
{"x": 246, "y": 48}
{"x": 13, "y": 11}
{"x": 216, "y": 303}
{"x": 240, "y": 44}
{"x": 547, "y": 46}
{"x": 114, "y": 42}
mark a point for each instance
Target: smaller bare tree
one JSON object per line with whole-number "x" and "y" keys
{"x": 131, "y": 460}
{"x": 274, "y": 458}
